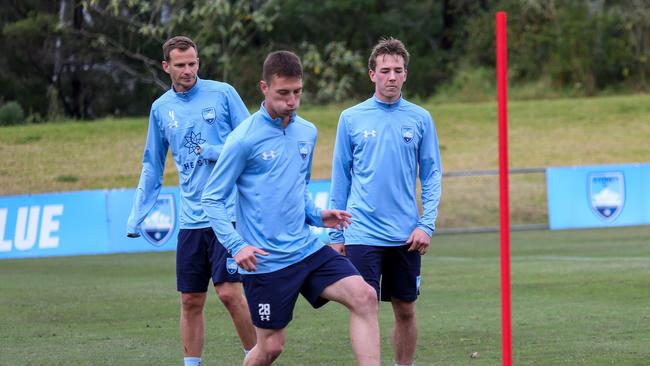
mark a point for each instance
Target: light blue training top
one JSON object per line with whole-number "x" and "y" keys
{"x": 270, "y": 167}
{"x": 202, "y": 116}
{"x": 379, "y": 148}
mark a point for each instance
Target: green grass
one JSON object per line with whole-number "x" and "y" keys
{"x": 107, "y": 153}
{"x": 578, "y": 298}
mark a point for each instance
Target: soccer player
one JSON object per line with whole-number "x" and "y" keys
{"x": 268, "y": 158}
{"x": 382, "y": 144}
{"x": 194, "y": 118}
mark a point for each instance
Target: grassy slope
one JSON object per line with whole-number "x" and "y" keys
{"x": 579, "y": 298}
{"x": 107, "y": 153}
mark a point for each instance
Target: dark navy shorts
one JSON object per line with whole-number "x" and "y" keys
{"x": 199, "y": 257}
{"x": 272, "y": 296}
{"x": 396, "y": 268}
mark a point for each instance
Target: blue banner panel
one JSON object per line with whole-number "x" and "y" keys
{"x": 94, "y": 222}
{"x": 598, "y": 196}
{"x": 53, "y": 224}
{"x": 160, "y": 228}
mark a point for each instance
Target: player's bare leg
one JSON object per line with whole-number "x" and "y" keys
{"x": 270, "y": 344}
{"x": 192, "y": 323}
{"x": 361, "y": 299}
{"x": 405, "y": 331}
{"x": 232, "y": 297}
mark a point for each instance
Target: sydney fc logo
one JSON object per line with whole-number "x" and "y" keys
{"x": 231, "y": 265}
{"x": 159, "y": 224}
{"x": 607, "y": 194}
{"x": 407, "y": 134}
{"x": 209, "y": 114}
{"x": 304, "y": 148}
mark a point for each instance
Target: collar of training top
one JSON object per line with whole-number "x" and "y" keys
{"x": 387, "y": 106}
{"x": 189, "y": 93}
{"x": 277, "y": 122}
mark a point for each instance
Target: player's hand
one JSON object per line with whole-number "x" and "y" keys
{"x": 336, "y": 219}
{"x": 419, "y": 240}
{"x": 246, "y": 258}
{"x": 339, "y": 247}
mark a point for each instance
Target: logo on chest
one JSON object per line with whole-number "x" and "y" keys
{"x": 304, "y": 148}
{"x": 269, "y": 155}
{"x": 192, "y": 142}
{"x": 173, "y": 123}
{"x": 209, "y": 114}
{"x": 369, "y": 133}
{"x": 407, "y": 134}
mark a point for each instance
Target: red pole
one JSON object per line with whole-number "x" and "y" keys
{"x": 502, "y": 95}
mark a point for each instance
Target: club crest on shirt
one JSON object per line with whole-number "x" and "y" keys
{"x": 607, "y": 194}
{"x": 158, "y": 226}
{"x": 209, "y": 114}
{"x": 407, "y": 134}
{"x": 231, "y": 265}
{"x": 304, "y": 148}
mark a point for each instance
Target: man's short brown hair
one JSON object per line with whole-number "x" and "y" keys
{"x": 281, "y": 63}
{"x": 388, "y": 46}
{"x": 179, "y": 42}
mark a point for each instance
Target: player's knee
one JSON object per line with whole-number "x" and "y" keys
{"x": 366, "y": 299}
{"x": 228, "y": 298}
{"x": 192, "y": 304}
{"x": 272, "y": 349}
{"x": 405, "y": 312}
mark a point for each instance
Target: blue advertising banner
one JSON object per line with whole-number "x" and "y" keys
{"x": 598, "y": 196}
{"x": 94, "y": 222}
{"x": 53, "y": 224}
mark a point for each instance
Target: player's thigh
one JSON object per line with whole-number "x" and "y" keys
{"x": 326, "y": 267}
{"x": 192, "y": 263}
{"x": 222, "y": 264}
{"x": 401, "y": 274}
{"x": 368, "y": 261}
{"x": 351, "y": 291}
{"x": 272, "y": 296}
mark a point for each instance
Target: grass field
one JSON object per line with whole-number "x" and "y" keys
{"x": 107, "y": 154}
{"x": 578, "y": 298}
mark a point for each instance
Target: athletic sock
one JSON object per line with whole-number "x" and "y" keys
{"x": 192, "y": 361}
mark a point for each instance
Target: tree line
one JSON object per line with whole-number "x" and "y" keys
{"x": 86, "y": 59}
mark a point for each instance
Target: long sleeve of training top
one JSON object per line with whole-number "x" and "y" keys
{"x": 269, "y": 165}
{"x": 379, "y": 150}
{"x": 153, "y": 165}
{"x": 201, "y": 117}
{"x": 341, "y": 176}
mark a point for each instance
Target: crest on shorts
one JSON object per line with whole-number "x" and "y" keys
{"x": 209, "y": 114}
{"x": 304, "y": 148}
{"x": 160, "y": 222}
{"x": 407, "y": 134}
{"x": 231, "y": 265}
{"x": 607, "y": 194}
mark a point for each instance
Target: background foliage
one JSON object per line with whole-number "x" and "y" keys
{"x": 92, "y": 58}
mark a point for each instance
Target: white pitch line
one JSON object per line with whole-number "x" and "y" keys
{"x": 546, "y": 258}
